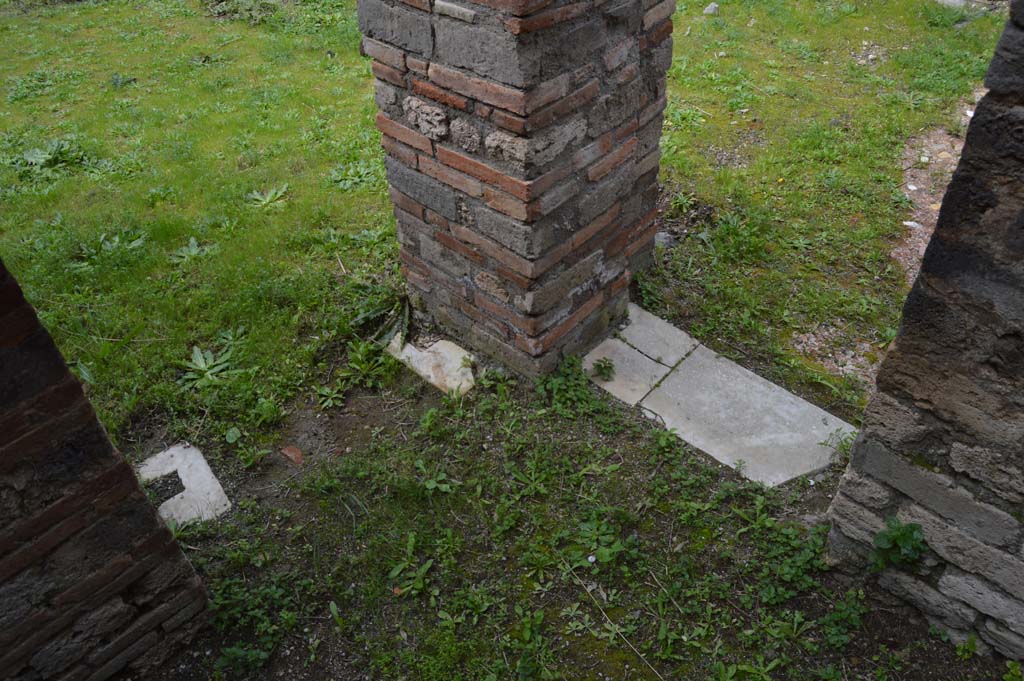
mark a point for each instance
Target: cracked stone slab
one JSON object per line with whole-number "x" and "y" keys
{"x": 443, "y": 364}
{"x": 203, "y": 498}
{"x": 656, "y": 338}
{"x": 635, "y": 373}
{"x": 736, "y": 416}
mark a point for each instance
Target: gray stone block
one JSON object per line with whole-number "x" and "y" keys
{"x": 966, "y": 552}
{"x": 401, "y": 27}
{"x": 938, "y": 493}
{"x": 984, "y": 597}
{"x": 485, "y": 51}
{"x": 423, "y": 189}
{"x": 995, "y": 469}
{"x": 853, "y": 520}
{"x": 1002, "y": 639}
{"x": 865, "y": 490}
{"x": 952, "y": 613}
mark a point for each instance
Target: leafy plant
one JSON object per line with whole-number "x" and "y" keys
{"x": 604, "y": 369}
{"x": 1013, "y": 672}
{"x": 191, "y": 251}
{"x": 274, "y": 196}
{"x": 206, "y": 369}
{"x": 412, "y": 574}
{"x": 898, "y": 544}
{"x": 438, "y": 481}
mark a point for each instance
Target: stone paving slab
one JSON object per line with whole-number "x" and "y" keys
{"x": 736, "y": 416}
{"x": 635, "y": 373}
{"x": 203, "y": 498}
{"x": 656, "y": 338}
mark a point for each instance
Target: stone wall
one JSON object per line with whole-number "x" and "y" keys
{"x": 522, "y": 151}
{"x": 943, "y": 439}
{"x": 91, "y": 580}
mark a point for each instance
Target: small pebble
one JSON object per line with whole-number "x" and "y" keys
{"x": 711, "y": 10}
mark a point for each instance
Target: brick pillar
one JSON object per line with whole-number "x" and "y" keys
{"x": 91, "y": 581}
{"x": 522, "y": 151}
{"x": 943, "y": 439}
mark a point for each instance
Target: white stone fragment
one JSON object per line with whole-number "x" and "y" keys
{"x": 444, "y": 364}
{"x": 203, "y": 498}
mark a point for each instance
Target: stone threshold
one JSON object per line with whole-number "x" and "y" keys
{"x": 738, "y": 418}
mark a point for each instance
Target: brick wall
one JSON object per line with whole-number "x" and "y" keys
{"x": 943, "y": 439}
{"x": 522, "y": 151}
{"x": 91, "y": 581}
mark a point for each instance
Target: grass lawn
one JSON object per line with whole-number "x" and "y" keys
{"x": 197, "y": 206}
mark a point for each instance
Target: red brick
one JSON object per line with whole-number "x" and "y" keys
{"x": 464, "y": 183}
{"x": 612, "y": 160}
{"x": 596, "y": 226}
{"x": 626, "y": 236}
{"x": 498, "y": 327}
{"x": 538, "y": 346}
{"x": 564, "y": 106}
{"x": 404, "y": 134}
{"x": 655, "y": 108}
{"x": 76, "y": 421}
{"x": 437, "y": 219}
{"x": 418, "y": 280}
{"x": 492, "y": 249}
{"x": 385, "y": 72}
{"x": 626, "y": 129}
{"x": 439, "y": 95}
{"x": 483, "y": 111}
{"x": 514, "y": 277}
{"x": 517, "y": 7}
{"x": 531, "y": 326}
{"x": 623, "y": 281}
{"x": 627, "y": 74}
{"x": 509, "y": 122}
{"x": 79, "y": 498}
{"x": 507, "y": 204}
{"x": 617, "y": 55}
{"x": 659, "y": 13}
{"x": 27, "y": 555}
{"x": 548, "y": 180}
{"x": 88, "y": 586}
{"x": 383, "y": 53}
{"x": 519, "y": 188}
{"x": 459, "y": 247}
{"x": 542, "y": 20}
{"x": 644, "y": 238}
{"x": 406, "y": 203}
{"x": 593, "y": 151}
{"x": 417, "y": 65}
{"x": 29, "y": 414}
{"x": 406, "y": 155}
{"x": 656, "y": 36}
{"x": 549, "y": 91}
{"x": 477, "y": 88}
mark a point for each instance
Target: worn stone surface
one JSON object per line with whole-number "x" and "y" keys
{"x": 634, "y": 376}
{"x": 522, "y": 145}
{"x": 84, "y": 557}
{"x": 656, "y": 338}
{"x": 951, "y": 612}
{"x": 945, "y": 428}
{"x": 739, "y": 419}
